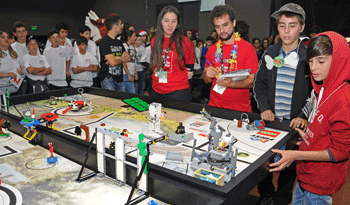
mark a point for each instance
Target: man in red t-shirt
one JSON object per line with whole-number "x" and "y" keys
{"x": 229, "y": 54}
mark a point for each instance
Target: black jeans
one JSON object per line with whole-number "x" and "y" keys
{"x": 286, "y": 179}
{"x": 180, "y": 95}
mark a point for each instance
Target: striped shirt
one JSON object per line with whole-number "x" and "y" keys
{"x": 284, "y": 87}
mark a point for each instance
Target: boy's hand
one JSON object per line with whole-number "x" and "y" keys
{"x": 288, "y": 157}
{"x": 67, "y": 73}
{"x": 302, "y": 135}
{"x": 299, "y": 122}
{"x": 136, "y": 76}
{"x": 130, "y": 78}
{"x": 20, "y": 71}
{"x": 13, "y": 75}
{"x": 190, "y": 73}
{"x": 212, "y": 72}
{"x": 268, "y": 115}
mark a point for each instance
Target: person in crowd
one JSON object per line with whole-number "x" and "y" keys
{"x": 130, "y": 72}
{"x": 275, "y": 38}
{"x": 229, "y": 54}
{"x": 36, "y": 66}
{"x": 197, "y": 54}
{"x": 85, "y": 31}
{"x": 214, "y": 34}
{"x": 200, "y": 43}
{"x": 281, "y": 88}
{"x": 144, "y": 38}
{"x": 188, "y": 33}
{"x": 9, "y": 65}
{"x": 12, "y": 38}
{"x": 208, "y": 42}
{"x": 128, "y": 26}
{"x": 265, "y": 44}
{"x": 113, "y": 55}
{"x": 63, "y": 29}
{"x": 313, "y": 32}
{"x": 83, "y": 65}
{"x": 256, "y": 44}
{"x": 172, "y": 57}
{"x": 140, "y": 48}
{"x": 323, "y": 156}
{"x": 19, "y": 46}
{"x": 242, "y": 28}
{"x": 58, "y": 59}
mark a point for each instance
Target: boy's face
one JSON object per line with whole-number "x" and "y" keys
{"x": 86, "y": 34}
{"x": 319, "y": 67}
{"x": 32, "y": 46}
{"x": 209, "y": 43}
{"x": 82, "y": 48}
{"x": 138, "y": 41}
{"x": 4, "y": 41}
{"x": 200, "y": 44}
{"x": 21, "y": 34}
{"x": 144, "y": 38}
{"x": 118, "y": 27}
{"x": 289, "y": 29}
{"x": 54, "y": 39}
{"x": 63, "y": 33}
{"x": 224, "y": 26}
{"x": 256, "y": 44}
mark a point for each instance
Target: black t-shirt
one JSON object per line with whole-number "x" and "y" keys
{"x": 115, "y": 47}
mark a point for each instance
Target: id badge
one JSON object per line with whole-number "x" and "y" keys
{"x": 163, "y": 77}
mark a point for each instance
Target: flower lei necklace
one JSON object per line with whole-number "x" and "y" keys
{"x": 233, "y": 60}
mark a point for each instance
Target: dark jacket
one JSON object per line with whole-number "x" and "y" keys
{"x": 265, "y": 83}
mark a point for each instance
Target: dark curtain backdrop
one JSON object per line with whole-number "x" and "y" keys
{"x": 329, "y": 15}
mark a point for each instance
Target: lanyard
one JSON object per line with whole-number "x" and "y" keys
{"x": 222, "y": 60}
{"x": 165, "y": 56}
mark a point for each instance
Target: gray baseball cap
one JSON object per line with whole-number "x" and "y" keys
{"x": 290, "y": 7}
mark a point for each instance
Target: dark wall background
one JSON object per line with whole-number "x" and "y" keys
{"x": 44, "y": 14}
{"x": 255, "y": 12}
{"x": 144, "y": 12}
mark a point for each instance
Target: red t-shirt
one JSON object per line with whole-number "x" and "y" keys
{"x": 177, "y": 78}
{"x": 233, "y": 99}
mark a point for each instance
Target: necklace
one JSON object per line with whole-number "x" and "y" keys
{"x": 233, "y": 60}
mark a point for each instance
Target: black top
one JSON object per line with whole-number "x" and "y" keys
{"x": 265, "y": 83}
{"x": 115, "y": 47}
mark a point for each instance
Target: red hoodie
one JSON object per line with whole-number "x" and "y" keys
{"x": 330, "y": 129}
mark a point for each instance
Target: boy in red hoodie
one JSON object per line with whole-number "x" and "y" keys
{"x": 323, "y": 156}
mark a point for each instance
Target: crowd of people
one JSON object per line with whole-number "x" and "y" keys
{"x": 304, "y": 82}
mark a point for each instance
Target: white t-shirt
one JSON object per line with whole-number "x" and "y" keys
{"x": 139, "y": 51}
{"x": 57, "y": 58}
{"x": 37, "y": 61}
{"x": 83, "y": 79}
{"x": 132, "y": 64}
{"x": 67, "y": 45}
{"x": 7, "y": 65}
{"x": 21, "y": 49}
{"x": 146, "y": 56}
{"x": 198, "y": 52}
{"x": 92, "y": 49}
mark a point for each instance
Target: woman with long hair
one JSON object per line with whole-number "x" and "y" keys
{"x": 9, "y": 64}
{"x": 129, "y": 72}
{"x": 172, "y": 57}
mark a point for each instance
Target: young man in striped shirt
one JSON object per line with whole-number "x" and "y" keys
{"x": 281, "y": 87}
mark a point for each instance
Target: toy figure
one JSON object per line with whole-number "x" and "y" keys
{"x": 51, "y": 159}
{"x": 180, "y": 129}
{"x": 142, "y": 150}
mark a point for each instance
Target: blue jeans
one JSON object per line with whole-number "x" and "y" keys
{"x": 140, "y": 83}
{"x": 110, "y": 84}
{"x": 303, "y": 197}
{"x": 127, "y": 86}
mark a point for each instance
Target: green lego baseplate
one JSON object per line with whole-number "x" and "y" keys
{"x": 137, "y": 103}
